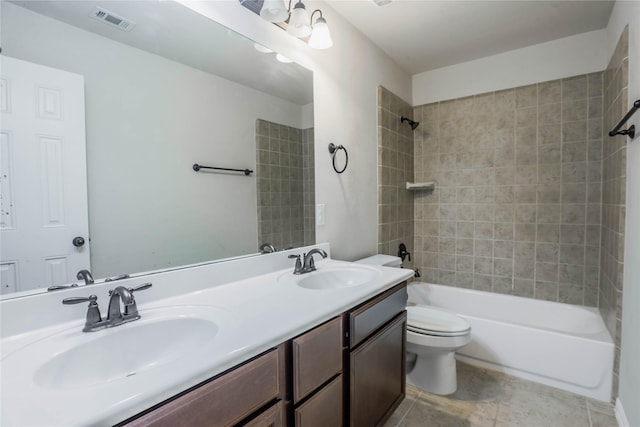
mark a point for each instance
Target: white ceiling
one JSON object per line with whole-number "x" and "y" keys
{"x": 422, "y": 35}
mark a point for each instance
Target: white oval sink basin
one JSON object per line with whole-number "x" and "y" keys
{"x": 163, "y": 336}
{"x": 336, "y": 278}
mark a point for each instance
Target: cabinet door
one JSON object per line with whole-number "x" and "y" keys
{"x": 317, "y": 357}
{"x": 324, "y": 409}
{"x": 377, "y": 375}
{"x": 272, "y": 417}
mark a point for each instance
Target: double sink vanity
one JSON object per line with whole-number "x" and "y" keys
{"x": 239, "y": 342}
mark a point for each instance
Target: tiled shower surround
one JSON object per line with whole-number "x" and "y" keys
{"x": 517, "y": 204}
{"x": 616, "y": 78}
{"x": 285, "y": 185}
{"x": 395, "y": 168}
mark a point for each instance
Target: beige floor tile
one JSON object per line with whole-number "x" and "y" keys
{"x": 598, "y": 419}
{"x": 540, "y": 413}
{"x": 531, "y": 404}
{"x": 598, "y": 406}
{"x": 436, "y": 414}
{"x": 478, "y": 384}
{"x": 487, "y": 398}
{"x": 517, "y": 388}
{"x": 397, "y": 416}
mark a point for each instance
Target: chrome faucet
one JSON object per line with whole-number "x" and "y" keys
{"x": 86, "y": 276}
{"x": 308, "y": 265}
{"x": 115, "y": 316}
{"x": 266, "y": 248}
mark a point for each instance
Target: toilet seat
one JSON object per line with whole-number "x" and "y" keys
{"x": 436, "y": 322}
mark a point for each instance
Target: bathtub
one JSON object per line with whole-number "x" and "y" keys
{"x": 559, "y": 345}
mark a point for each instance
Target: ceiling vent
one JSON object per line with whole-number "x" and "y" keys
{"x": 112, "y": 19}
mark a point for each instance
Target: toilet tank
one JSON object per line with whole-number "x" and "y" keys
{"x": 384, "y": 260}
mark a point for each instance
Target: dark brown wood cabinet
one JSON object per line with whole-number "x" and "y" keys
{"x": 377, "y": 375}
{"x": 274, "y": 416}
{"x": 225, "y": 400}
{"x": 317, "y": 357}
{"x": 376, "y": 362}
{"x": 348, "y": 371}
{"x": 324, "y": 408}
{"x": 317, "y": 365}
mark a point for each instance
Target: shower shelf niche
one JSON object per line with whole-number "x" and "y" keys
{"x": 421, "y": 186}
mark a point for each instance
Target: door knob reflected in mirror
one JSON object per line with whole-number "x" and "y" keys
{"x": 78, "y": 241}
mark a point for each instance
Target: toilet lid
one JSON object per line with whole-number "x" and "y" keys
{"x": 435, "y": 321}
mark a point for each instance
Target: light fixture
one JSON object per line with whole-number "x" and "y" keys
{"x": 299, "y": 23}
{"x": 320, "y": 37}
{"x": 296, "y": 21}
{"x": 274, "y": 11}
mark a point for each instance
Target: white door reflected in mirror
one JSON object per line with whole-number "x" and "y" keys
{"x": 44, "y": 177}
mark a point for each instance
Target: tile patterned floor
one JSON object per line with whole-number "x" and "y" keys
{"x": 488, "y": 398}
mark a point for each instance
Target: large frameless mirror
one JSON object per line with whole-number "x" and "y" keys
{"x": 106, "y": 107}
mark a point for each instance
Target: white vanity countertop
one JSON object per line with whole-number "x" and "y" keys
{"x": 253, "y": 314}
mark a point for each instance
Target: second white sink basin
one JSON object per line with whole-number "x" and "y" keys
{"x": 336, "y": 278}
{"x": 162, "y": 337}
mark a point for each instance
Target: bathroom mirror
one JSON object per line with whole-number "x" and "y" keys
{"x": 164, "y": 88}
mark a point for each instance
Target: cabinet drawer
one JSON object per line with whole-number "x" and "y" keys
{"x": 366, "y": 319}
{"x": 323, "y": 409}
{"x": 317, "y": 356}
{"x": 272, "y": 417}
{"x": 225, "y": 400}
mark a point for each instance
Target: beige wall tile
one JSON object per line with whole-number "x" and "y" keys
{"x": 519, "y": 190}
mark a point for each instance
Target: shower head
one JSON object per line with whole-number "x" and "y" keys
{"x": 413, "y": 124}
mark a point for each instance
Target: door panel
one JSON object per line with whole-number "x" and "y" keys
{"x": 43, "y": 176}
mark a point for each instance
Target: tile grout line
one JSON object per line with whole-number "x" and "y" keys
{"x": 589, "y": 413}
{"x": 409, "y": 409}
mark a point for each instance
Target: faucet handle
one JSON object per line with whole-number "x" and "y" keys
{"x": 114, "y": 278}
{"x": 91, "y": 299}
{"x": 94, "y": 318}
{"x": 141, "y": 287}
{"x": 59, "y": 287}
{"x": 131, "y": 309}
{"x": 298, "y": 267}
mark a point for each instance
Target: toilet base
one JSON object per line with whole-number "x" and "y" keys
{"x": 435, "y": 373}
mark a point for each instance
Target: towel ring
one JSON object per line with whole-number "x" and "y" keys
{"x": 333, "y": 149}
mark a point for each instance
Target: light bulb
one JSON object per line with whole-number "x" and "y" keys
{"x": 274, "y": 11}
{"x": 299, "y": 21}
{"x": 320, "y": 37}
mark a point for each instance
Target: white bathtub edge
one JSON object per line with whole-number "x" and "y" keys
{"x": 621, "y": 417}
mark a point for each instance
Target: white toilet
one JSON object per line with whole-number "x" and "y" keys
{"x": 433, "y": 337}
